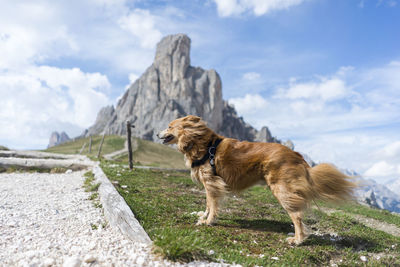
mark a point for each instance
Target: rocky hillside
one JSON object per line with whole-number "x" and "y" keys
{"x": 171, "y": 88}
{"x": 58, "y": 138}
{"x": 378, "y": 196}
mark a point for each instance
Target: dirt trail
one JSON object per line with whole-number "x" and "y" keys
{"x": 372, "y": 223}
{"x": 117, "y": 153}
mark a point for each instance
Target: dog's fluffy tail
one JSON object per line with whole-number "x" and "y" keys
{"x": 329, "y": 184}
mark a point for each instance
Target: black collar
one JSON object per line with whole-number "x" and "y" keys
{"x": 212, "y": 150}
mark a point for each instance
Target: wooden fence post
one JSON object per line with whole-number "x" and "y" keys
{"x": 101, "y": 144}
{"x": 128, "y": 138}
{"x": 83, "y": 147}
{"x": 90, "y": 145}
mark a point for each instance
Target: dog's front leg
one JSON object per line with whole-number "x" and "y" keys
{"x": 203, "y": 214}
{"x": 208, "y": 216}
{"x": 213, "y": 193}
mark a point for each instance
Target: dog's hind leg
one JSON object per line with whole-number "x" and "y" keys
{"x": 294, "y": 204}
{"x": 299, "y": 229}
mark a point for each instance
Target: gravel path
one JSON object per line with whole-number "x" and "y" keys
{"x": 47, "y": 220}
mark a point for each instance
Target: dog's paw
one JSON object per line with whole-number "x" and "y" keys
{"x": 201, "y": 214}
{"x": 293, "y": 241}
{"x": 201, "y": 222}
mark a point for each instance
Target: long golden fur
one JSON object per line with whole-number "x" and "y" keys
{"x": 240, "y": 165}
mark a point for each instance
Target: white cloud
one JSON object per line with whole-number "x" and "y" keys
{"x": 324, "y": 89}
{"x": 228, "y": 8}
{"x": 392, "y": 150}
{"x": 389, "y": 3}
{"x": 43, "y": 99}
{"x": 141, "y": 24}
{"x": 32, "y": 32}
{"x": 249, "y": 103}
{"x": 251, "y": 76}
{"x": 382, "y": 169}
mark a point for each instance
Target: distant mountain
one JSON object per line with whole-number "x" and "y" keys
{"x": 58, "y": 138}
{"x": 171, "y": 88}
{"x": 394, "y": 185}
{"x": 378, "y": 195}
{"x": 375, "y": 195}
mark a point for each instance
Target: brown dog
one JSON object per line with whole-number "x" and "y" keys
{"x": 227, "y": 165}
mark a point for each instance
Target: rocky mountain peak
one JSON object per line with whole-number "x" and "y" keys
{"x": 173, "y": 57}
{"x": 171, "y": 88}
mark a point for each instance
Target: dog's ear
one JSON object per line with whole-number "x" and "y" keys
{"x": 192, "y": 118}
{"x": 185, "y": 143}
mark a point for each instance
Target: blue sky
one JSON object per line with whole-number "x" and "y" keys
{"x": 325, "y": 74}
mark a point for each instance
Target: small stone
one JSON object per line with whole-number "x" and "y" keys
{"x": 363, "y": 258}
{"x": 89, "y": 258}
{"x": 211, "y": 252}
{"x": 69, "y": 171}
{"x": 275, "y": 258}
{"x": 72, "y": 262}
{"x": 124, "y": 186}
{"x": 290, "y": 234}
{"x": 48, "y": 262}
{"x": 140, "y": 260}
{"x": 30, "y": 254}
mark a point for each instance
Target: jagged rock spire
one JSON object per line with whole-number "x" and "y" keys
{"x": 171, "y": 88}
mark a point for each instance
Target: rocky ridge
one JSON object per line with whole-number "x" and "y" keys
{"x": 378, "y": 195}
{"x": 171, "y": 88}
{"x": 57, "y": 138}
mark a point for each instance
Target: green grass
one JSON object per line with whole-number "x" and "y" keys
{"x": 89, "y": 184}
{"x": 152, "y": 154}
{"x": 146, "y": 153}
{"x": 251, "y": 228}
{"x": 111, "y": 143}
{"x": 378, "y": 214}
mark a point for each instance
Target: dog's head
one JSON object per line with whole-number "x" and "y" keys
{"x": 185, "y": 132}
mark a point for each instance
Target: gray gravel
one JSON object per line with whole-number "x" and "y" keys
{"x": 47, "y": 219}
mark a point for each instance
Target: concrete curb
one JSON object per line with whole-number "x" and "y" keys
{"x": 117, "y": 211}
